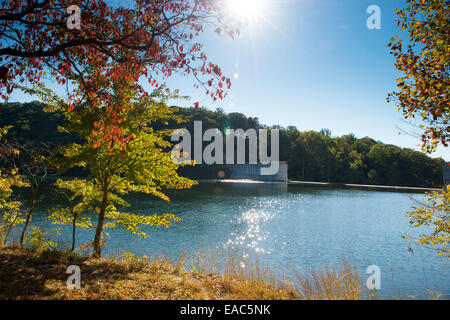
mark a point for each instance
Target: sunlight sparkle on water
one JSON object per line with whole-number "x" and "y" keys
{"x": 252, "y": 237}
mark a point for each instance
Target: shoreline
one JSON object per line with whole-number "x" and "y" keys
{"x": 367, "y": 186}
{"x": 324, "y": 184}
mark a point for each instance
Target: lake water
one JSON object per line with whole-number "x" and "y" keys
{"x": 295, "y": 227}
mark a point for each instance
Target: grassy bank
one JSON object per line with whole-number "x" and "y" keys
{"x": 38, "y": 274}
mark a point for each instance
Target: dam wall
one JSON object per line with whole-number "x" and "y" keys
{"x": 446, "y": 174}
{"x": 253, "y": 172}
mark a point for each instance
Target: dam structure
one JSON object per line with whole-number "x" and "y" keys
{"x": 446, "y": 174}
{"x": 253, "y": 172}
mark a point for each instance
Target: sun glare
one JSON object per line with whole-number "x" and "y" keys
{"x": 246, "y": 10}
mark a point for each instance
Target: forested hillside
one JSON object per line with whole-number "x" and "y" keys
{"x": 312, "y": 156}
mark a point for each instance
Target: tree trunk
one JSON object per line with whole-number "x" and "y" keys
{"x": 24, "y": 230}
{"x": 27, "y": 221}
{"x": 73, "y": 232}
{"x": 98, "y": 232}
{"x": 9, "y": 229}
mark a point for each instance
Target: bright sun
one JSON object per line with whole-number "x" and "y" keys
{"x": 246, "y": 10}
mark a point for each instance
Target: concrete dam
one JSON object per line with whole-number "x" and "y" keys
{"x": 253, "y": 172}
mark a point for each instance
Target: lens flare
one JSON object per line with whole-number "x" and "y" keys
{"x": 246, "y": 10}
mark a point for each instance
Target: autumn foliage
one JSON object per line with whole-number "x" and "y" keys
{"x": 156, "y": 38}
{"x": 424, "y": 88}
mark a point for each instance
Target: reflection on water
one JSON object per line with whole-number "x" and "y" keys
{"x": 293, "y": 226}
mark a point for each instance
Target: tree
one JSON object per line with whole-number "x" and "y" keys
{"x": 138, "y": 160}
{"x": 79, "y": 196}
{"x": 10, "y": 213}
{"x": 434, "y": 213}
{"x": 317, "y": 156}
{"x": 424, "y": 92}
{"x": 325, "y": 132}
{"x": 424, "y": 88}
{"x": 159, "y": 37}
{"x": 32, "y": 165}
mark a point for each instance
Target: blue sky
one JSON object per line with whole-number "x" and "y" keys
{"x": 312, "y": 64}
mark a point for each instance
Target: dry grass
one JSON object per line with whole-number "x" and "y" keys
{"x": 39, "y": 274}
{"x": 330, "y": 283}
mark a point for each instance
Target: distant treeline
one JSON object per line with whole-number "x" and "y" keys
{"x": 311, "y": 155}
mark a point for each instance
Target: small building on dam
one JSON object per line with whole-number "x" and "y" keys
{"x": 254, "y": 172}
{"x": 446, "y": 172}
